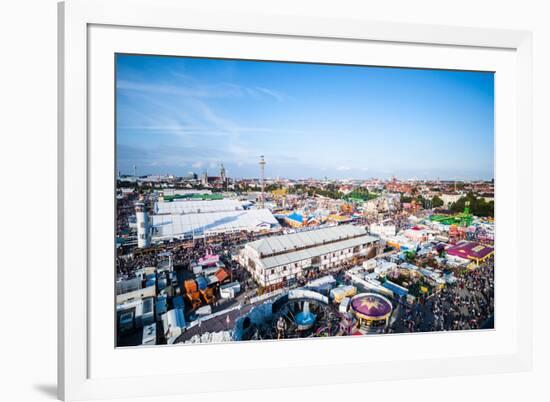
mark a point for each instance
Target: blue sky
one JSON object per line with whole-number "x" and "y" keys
{"x": 176, "y": 115}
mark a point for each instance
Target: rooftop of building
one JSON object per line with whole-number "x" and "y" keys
{"x": 176, "y": 225}
{"x": 295, "y": 217}
{"x": 186, "y": 206}
{"x": 193, "y": 196}
{"x": 314, "y": 251}
{"x": 470, "y": 250}
{"x": 296, "y": 241}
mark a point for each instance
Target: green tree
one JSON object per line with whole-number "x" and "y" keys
{"x": 478, "y": 206}
{"x": 437, "y": 202}
{"x": 405, "y": 199}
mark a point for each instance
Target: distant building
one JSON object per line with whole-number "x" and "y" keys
{"x": 223, "y": 176}
{"x": 417, "y": 234}
{"x": 345, "y": 189}
{"x": 383, "y": 203}
{"x": 449, "y": 199}
{"x": 297, "y": 220}
{"x": 171, "y": 192}
{"x": 382, "y": 230}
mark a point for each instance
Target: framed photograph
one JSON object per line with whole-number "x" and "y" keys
{"x": 255, "y": 201}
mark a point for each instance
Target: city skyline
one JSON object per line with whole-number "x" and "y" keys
{"x": 178, "y": 115}
{"x": 214, "y": 172}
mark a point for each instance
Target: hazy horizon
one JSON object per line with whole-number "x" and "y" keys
{"x": 214, "y": 173}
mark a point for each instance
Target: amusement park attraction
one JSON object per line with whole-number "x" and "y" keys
{"x": 303, "y": 313}
{"x": 299, "y": 314}
{"x": 463, "y": 219}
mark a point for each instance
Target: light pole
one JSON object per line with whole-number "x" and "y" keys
{"x": 262, "y": 174}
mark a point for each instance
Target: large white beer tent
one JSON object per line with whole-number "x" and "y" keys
{"x": 170, "y": 226}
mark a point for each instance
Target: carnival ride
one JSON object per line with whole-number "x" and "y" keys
{"x": 280, "y": 196}
{"x": 300, "y": 313}
{"x": 306, "y": 317}
{"x": 372, "y": 310}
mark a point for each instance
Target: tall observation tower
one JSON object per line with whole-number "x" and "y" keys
{"x": 262, "y": 179}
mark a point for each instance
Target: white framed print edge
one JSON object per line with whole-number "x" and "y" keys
{"x": 79, "y": 379}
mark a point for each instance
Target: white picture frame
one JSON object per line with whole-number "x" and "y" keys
{"x": 82, "y": 44}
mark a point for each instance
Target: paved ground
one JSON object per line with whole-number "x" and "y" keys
{"x": 216, "y": 324}
{"x": 220, "y": 323}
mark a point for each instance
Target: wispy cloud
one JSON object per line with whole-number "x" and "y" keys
{"x": 159, "y": 88}
{"x": 279, "y": 96}
{"x": 210, "y": 131}
{"x": 197, "y": 90}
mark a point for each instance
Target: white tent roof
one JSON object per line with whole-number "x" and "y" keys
{"x": 197, "y": 206}
{"x": 175, "y": 225}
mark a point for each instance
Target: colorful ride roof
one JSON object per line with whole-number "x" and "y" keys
{"x": 371, "y": 306}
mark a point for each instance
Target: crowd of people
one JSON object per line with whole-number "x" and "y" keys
{"x": 184, "y": 252}
{"x": 467, "y": 304}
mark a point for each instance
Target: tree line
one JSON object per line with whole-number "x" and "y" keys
{"x": 478, "y": 205}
